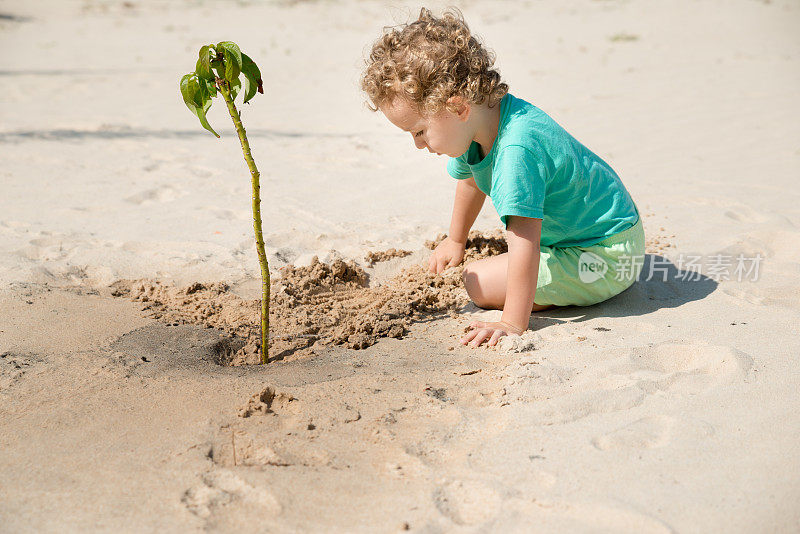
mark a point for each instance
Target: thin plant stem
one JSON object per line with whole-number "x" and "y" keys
{"x": 262, "y": 255}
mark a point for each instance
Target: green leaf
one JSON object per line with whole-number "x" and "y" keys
{"x": 189, "y": 88}
{"x": 219, "y": 67}
{"x": 202, "y": 98}
{"x": 197, "y": 98}
{"x": 201, "y": 114}
{"x": 211, "y": 87}
{"x": 235, "y": 87}
{"x": 233, "y": 59}
{"x": 203, "y": 67}
{"x": 232, "y": 68}
{"x": 233, "y": 48}
{"x": 252, "y": 78}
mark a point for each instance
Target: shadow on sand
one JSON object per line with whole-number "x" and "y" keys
{"x": 660, "y": 285}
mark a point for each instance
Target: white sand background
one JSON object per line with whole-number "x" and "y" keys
{"x": 670, "y": 408}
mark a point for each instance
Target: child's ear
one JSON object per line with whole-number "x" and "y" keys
{"x": 463, "y": 107}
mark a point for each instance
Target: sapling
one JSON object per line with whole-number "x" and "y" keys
{"x": 218, "y": 69}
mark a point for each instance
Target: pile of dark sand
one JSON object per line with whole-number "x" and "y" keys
{"x": 316, "y": 304}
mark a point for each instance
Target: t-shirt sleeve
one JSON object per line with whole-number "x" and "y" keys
{"x": 458, "y": 169}
{"x": 518, "y": 184}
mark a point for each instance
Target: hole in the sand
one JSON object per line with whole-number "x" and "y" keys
{"x": 235, "y": 351}
{"x": 225, "y": 349}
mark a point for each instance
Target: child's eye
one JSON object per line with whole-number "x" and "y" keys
{"x": 418, "y": 133}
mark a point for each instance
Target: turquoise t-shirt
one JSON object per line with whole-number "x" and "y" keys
{"x": 536, "y": 169}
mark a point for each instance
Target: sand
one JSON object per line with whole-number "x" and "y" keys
{"x": 129, "y": 282}
{"x": 318, "y": 304}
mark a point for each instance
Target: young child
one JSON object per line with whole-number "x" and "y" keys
{"x": 574, "y": 233}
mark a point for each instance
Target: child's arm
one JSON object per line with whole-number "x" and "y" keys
{"x": 523, "y": 236}
{"x": 468, "y": 203}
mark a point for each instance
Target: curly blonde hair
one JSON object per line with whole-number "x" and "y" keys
{"x": 429, "y": 61}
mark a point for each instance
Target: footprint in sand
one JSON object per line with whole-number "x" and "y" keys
{"x": 609, "y": 382}
{"x": 783, "y": 296}
{"x": 559, "y": 516}
{"x": 467, "y": 502}
{"x": 651, "y": 433}
{"x": 263, "y": 435}
{"x": 224, "y": 490}
{"x": 49, "y": 247}
{"x": 689, "y": 367}
{"x": 645, "y": 433}
{"x": 256, "y": 446}
{"x": 579, "y": 405}
{"x": 163, "y": 193}
{"x": 747, "y": 259}
{"x": 322, "y": 414}
{"x": 274, "y": 429}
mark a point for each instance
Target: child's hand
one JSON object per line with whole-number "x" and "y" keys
{"x": 493, "y": 331}
{"x": 448, "y": 253}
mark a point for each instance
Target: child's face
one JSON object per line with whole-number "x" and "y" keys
{"x": 445, "y": 133}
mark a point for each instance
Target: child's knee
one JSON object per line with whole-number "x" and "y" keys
{"x": 472, "y": 283}
{"x": 469, "y": 276}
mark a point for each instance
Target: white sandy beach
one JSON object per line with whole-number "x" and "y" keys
{"x": 672, "y": 407}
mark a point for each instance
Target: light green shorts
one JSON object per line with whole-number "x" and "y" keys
{"x": 582, "y": 276}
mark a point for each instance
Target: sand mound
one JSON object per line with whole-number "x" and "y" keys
{"x": 316, "y": 304}
{"x": 479, "y": 245}
{"x": 319, "y": 303}
{"x": 385, "y": 255}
